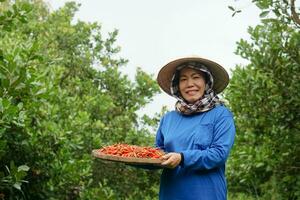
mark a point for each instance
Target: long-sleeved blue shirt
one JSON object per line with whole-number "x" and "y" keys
{"x": 205, "y": 140}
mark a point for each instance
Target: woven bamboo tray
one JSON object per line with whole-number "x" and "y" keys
{"x": 128, "y": 160}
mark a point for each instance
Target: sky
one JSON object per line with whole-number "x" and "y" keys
{"x": 152, "y": 33}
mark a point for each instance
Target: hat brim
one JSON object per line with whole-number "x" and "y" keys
{"x": 220, "y": 76}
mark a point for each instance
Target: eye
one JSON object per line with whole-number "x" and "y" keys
{"x": 196, "y": 77}
{"x": 182, "y": 79}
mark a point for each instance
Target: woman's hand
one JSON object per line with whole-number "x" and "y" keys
{"x": 171, "y": 160}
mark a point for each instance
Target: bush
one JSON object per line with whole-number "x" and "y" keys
{"x": 55, "y": 107}
{"x": 265, "y": 100}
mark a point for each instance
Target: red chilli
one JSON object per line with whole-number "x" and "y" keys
{"x": 126, "y": 150}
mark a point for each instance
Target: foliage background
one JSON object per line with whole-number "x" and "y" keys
{"x": 56, "y": 107}
{"x": 265, "y": 100}
{"x": 62, "y": 95}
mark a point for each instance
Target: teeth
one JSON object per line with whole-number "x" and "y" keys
{"x": 191, "y": 92}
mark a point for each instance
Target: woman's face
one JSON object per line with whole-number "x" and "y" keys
{"x": 191, "y": 84}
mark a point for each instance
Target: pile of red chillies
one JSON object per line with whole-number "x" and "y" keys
{"x": 126, "y": 150}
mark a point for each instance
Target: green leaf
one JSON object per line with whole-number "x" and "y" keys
{"x": 264, "y": 13}
{"x": 17, "y": 186}
{"x": 27, "y": 7}
{"x": 231, "y": 8}
{"x": 1, "y": 52}
{"x": 15, "y": 8}
{"x": 1, "y": 105}
{"x": 2, "y": 18}
{"x": 258, "y": 165}
{"x": 9, "y": 13}
{"x": 23, "y": 19}
{"x": 23, "y": 168}
{"x": 263, "y": 4}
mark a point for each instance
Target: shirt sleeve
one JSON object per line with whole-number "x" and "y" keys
{"x": 159, "y": 141}
{"x": 216, "y": 154}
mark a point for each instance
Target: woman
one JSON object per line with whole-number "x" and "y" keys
{"x": 198, "y": 135}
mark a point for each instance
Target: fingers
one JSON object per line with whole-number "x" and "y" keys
{"x": 171, "y": 160}
{"x": 166, "y": 156}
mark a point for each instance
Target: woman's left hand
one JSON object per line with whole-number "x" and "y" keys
{"x": 171, "y": 160}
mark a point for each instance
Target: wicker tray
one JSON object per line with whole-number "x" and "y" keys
{"x": 128, "y": 160}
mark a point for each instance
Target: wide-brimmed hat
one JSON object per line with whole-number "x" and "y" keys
{"x": 220, "y": 76}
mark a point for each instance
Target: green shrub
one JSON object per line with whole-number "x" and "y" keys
{"x": 265, "y": 100}
{"x": 55, "y": 107}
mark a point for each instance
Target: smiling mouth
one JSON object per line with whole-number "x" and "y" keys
{"x": 192, "y": 92}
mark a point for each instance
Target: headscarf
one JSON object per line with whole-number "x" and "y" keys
{"x": 209, "y": 99}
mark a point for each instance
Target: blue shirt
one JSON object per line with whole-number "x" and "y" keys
{"x": 205, "y": 140}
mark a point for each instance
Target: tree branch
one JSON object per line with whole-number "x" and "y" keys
{"x": 295, "y": 16}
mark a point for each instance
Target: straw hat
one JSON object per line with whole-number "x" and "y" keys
{"x": 220, "y": 76}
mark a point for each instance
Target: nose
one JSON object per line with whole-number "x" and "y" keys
{"x": 190, "y": 82}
